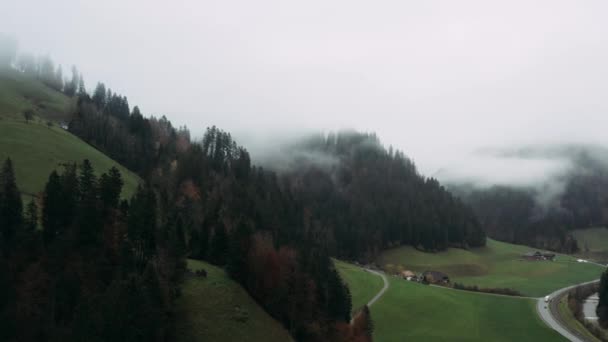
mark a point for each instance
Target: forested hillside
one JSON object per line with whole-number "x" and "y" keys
{"x": 363, "y": 198}
{"x": 273, "y": 231}
{"x": 517, "y": 215}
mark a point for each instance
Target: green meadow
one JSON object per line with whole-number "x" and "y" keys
{"x": 593, "y": 243}
{"x": 36, "y": 148}
{"x": 362, "y": 287}
{"x": 498, "y": 264}
{"x": 216, "y": 308}
{"x": 410, "y": 311}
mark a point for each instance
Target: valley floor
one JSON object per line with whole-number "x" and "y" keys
{"x": 498, "y": 264}
{"x": 412, "y": 311}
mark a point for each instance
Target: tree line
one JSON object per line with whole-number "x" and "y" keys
{"x": 82, "y": 264}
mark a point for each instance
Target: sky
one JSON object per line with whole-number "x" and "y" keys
{"x": 440, "y": 80}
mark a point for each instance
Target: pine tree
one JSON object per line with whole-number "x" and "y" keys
{"x": 142, "y": 225}
{"x": 238, "y": 254}
{"x": 11, "y": 207}
{"x": 52, "y": 210}
{"x": 58, "y": 79}
{"x": 110, "y": 187}
{"x": 339, "y": 304}
{"x": 89, "y": 216}
{"x": 99, "y": 96}
{"x": 602, "y": 306}
{"x": 87, "y": 181}
{"x": 219, "y": 245}
{"x": 70, "y": 87}
{"x": 82, "y": 90}
{"x": 31, "y": 216}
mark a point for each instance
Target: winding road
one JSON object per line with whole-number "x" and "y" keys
{"x": 547, "y": 310}
{"x": 381, "y": 293}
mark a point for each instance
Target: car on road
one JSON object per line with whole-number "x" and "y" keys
{"x": 547, "y": 299}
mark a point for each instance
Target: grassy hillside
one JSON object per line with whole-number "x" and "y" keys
{"x": 593, "y": 243}
{"x": 218, "y": 309}
{"x": 411, "y": 311}
{"x": 19, "y": 92}
{"x": 35, "y": 148}
{"x": 498, "y": 264}
{"x": 363, "y": 285}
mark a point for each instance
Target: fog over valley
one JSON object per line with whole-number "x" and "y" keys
{"x": 438, "y": 79}
{"x": 271, "y": 170}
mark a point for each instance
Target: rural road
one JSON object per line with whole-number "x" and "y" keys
{"x": 545, "y": 310}
{"x": 386, "y": 285}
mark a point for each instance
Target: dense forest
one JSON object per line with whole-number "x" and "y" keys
{"x": 515, "y": 214}
{"x": 365, "y": 198}
{"x": 98, "y": 269}
{"x": 92, "y": 265}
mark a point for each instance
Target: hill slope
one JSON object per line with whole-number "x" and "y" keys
{"x": 498, "y": 264}
{"x": 35, "y": 148}
{"x": 593, "y": 243}
{"x": 19, "y": 92}
{"x": 218, "y": 309}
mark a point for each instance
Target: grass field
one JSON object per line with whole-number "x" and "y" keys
{"x": 413, "y": 312}
{"x": 19, "y": 92}
{"x": 593, "y": 243}
{"x": 35, "y": 148}
{"x": 497, "y": 265}
{"x": 209, "y": 310}
{"x": 362, "y": 287}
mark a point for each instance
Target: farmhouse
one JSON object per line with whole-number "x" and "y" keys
{"x": 537, "y": 255}
{"x": 435, "y": 277}
{"x": 408, "y": 275}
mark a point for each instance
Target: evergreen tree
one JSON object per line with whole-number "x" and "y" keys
{"x": 339, "y": 299}
{"x": 602, "y": 306}
{"x": 31, "y": 216}
{"x": 99, "y": 96}
{"x": 11, "y": 207}
{"x": 71, "y": 86}
{"x": 89, "y": 216}
{"x": 219, "y": 245}
{"x": 142, "y": 225}
{"x": 52, "y": 211}
{"x": 82, "y": 91}
{"x": 238, "y": 253}
{"x": 58, "y": 79}
{"x": 110, "y": 187}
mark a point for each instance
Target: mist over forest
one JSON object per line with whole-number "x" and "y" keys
{"x": 163, "y": 159}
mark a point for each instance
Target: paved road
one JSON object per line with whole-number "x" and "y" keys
{"x": 386, "y": 285}
{"x": 545, "y": 310}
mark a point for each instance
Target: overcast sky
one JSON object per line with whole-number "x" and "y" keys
{"x": 437, "y": 79}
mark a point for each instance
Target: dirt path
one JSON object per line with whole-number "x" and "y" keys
{"x": 381, "y": 293}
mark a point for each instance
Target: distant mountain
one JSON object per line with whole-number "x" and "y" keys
{"x": 542, "y": 213}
